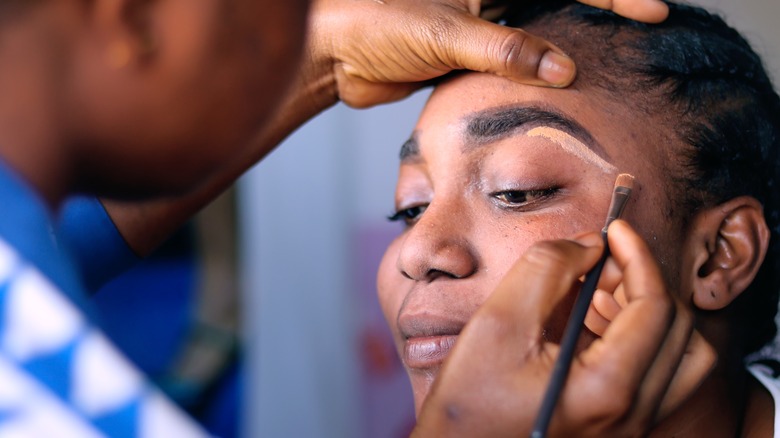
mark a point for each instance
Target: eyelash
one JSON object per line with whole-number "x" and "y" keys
{"x": 535, "y": 195}
{"x": 408, "y": 215}
{"x": 412, "y": 214}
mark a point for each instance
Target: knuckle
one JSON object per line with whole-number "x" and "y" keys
{"x": 515, "y": 51}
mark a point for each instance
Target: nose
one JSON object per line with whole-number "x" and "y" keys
{"x": 438, "y": 245}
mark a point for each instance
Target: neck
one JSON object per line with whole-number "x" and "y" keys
{"x": 714, "y": 410}
{"x": 729, "y": 403}
{"x": 759, "y": 411}
{"x": 30, "y": 101}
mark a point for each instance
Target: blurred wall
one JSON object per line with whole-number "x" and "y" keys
{"x": 757, "y": 20}
{"x": 301, "y": 210}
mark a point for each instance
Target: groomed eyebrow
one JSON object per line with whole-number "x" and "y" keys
{"x": 410, "y": 149}
{"x": 494, "y": 124}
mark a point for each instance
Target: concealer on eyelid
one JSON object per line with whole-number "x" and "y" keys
{"x": 572, "y": 146}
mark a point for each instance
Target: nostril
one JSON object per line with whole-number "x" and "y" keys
{"x": 433, "y": 274}
{"x": 428, "y": 274}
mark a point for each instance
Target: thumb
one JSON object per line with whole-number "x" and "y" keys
{"x": 513, "y": 53}
{"x": 649, "y": 11}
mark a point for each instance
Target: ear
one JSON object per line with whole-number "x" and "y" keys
{"x": 727, "y": 245}
{"x": 125, "y": 27}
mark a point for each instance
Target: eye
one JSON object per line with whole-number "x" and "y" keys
{"x": 522, "y": 198}
{"x": 409, "y": 215}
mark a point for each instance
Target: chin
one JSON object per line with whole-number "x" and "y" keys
{"x": 126, "y": 187}
{"x": 421, "y": 387}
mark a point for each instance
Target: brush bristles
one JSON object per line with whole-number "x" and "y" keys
{"x": 625, "y": 180}
{"x": 623, "y": 185}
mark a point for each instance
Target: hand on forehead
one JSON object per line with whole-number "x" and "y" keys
{"x": 650, "y": 11}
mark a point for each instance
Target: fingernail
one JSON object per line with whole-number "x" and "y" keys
{"x": 556, "y": 69}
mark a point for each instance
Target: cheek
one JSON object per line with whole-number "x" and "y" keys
{"x": 504, "y": 243}
{"x": 667, "y": 241}
{"x": 390, "y": 284}
{"x": 272, "y": 42}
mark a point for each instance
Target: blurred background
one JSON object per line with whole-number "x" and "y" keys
{"x": 281, "y": 334}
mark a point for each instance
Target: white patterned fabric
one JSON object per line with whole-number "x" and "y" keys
{"x": 60, "y": 376}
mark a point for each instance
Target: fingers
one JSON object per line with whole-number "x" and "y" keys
{"x": 474, "y": 7}
{"x": 546, "y": 272}
{"x": 487, "y": 47}
{"x": 496, "y": 359}
{"x": 665, "y": 364}
{"x": 649, "y": 11}
{"x": 603, "y": 309}
{"x": 493, "y": 10}
{"x": 624, "y": 354}
{"x": 361, "y": 93}
{"x": 697, "y": 362}
{"x": 649, "y": 350}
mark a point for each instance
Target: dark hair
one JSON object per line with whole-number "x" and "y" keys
{"x": 699, "y": 73}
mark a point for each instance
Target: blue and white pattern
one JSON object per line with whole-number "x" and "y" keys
{"x": 60, "y": 376}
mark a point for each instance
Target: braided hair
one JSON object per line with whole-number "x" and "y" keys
{"x": 702, "y": 76}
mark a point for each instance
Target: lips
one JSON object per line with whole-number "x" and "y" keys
{"x": 428, "y": 339}
{"x": 427, "y": 352}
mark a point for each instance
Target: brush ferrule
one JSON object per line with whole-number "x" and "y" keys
{"x": 617, "y": 205}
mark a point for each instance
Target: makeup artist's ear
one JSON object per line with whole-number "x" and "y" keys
{"x": 126, "y": 30}
{"x": 725, "y": 248}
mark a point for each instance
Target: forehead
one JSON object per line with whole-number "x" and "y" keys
{"x": 612, "y": 129}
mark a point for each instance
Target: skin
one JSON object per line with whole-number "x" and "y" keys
{"x": 181, "y": 108}
{"x": 457, "y": 261}
{"x": 135, "y": 98}
{"x": 575, "y": 147}
{"x": 347, "y": 59}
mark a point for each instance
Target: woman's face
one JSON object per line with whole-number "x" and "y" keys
{"x": 491, "y": 168}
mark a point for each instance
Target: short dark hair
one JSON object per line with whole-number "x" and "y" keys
{"x": 702, "y": 75}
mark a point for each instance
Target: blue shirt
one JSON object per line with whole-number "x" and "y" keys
{"x": 99, "y": 251}
{"x": 59, "y": 375}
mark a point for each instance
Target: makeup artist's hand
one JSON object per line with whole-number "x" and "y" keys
{"x": 367, "y": 52}
{"x": 650, "y": 11}
{"x": 647, "y": 361}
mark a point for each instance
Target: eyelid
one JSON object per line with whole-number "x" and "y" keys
{"x": 541, "y": 195}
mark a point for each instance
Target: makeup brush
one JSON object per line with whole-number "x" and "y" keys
{"x": 623, "y": 185}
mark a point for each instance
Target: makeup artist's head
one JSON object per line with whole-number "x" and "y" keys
{"x": 147, "y": 97}
{"x": 494, "y": 166}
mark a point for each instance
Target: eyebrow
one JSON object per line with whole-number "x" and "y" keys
{"x": 494, "y": 124}
{"x": 410, "y": 149}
